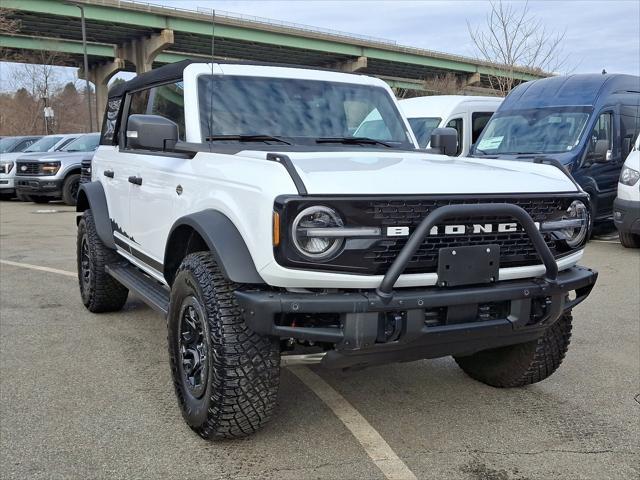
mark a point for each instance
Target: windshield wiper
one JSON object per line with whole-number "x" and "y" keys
{"x": 247, "y": 138}
{"x": 353, "y": 141}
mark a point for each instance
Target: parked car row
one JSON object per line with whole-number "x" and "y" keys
{"x": 41, "y": 169}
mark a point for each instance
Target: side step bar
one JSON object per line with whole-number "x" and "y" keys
{"x": 149, "y": 290}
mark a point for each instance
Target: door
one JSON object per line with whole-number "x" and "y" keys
{"x": 153, "y": 199}
{"x": 603, "y": 160}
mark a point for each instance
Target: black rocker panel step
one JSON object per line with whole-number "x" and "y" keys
{"x": 149, "y": 290}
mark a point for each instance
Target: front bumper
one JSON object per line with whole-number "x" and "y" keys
{"x": 7, "y": 184}
{"x": 626, "y": 216}
{"x": 39, "y": 185}
{"x": 470, "y": 310}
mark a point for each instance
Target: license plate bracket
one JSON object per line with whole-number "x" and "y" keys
{"x": 468, "y": 265}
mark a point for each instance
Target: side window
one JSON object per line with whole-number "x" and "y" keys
{"x": 601, "y": 139}
{"x": 479, "y": 120}
{"x": 110, "y": 124}
{"x": 457, "y": 124}
{"x": 25, "y": 144}
{"x": 168, "y": 102}
{"x": 138, "y": 104}
{"x": 630, "y": 126}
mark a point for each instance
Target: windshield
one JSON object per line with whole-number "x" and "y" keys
{"x": 44, "y": 144}
{"x": 84, "y": 143}
{"x": 539, "y": 130}
{"x": 302, "y": 111}
{"x": 422, "y": 128}
{"x": 7, "y": 144}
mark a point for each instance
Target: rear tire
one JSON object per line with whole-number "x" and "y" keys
{"x": 100, "y": 292}
{"x": 226, "y": 376}
{"x": 629, "y": 240}
{"x": 522, "y": 364}
{"x": 70, "y": 189}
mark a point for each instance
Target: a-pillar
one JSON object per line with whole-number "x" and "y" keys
{"x": 142, "y": 51}
{"x": 99, "y": 75}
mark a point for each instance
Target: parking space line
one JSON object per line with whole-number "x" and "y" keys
{"x": 376, "y": 447}
{"x": 38, "y": 267}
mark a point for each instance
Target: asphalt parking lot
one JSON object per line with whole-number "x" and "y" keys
{"x": 90, "y": 396}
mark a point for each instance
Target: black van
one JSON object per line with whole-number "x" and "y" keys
{"x": 587, "y": 122}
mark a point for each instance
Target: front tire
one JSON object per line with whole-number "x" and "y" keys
{"x": 100, "y": 292}
{"x": 226, "y": 376}
{"x": 629, "y": 240}
{"x": 70, "y": 189}
{"x": 522, "y": 364}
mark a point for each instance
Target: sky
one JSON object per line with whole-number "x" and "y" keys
{"x": 599, "y": 35}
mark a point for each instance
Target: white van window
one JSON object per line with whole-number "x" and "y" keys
{"x": 422, "y": 128}
{"x": 479, "y": 120}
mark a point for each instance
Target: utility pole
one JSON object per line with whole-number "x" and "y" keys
{"x": 86, "y": 64}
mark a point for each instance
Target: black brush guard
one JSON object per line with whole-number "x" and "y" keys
{"x": 357, "y": 342}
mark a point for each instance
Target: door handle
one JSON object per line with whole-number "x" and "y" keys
{"x": 108, "y": 173}
{"x": 135, "y": 180}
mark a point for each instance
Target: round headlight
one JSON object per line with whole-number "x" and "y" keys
{"x": 574, "y": 236}
{"x": 307, "y": 232}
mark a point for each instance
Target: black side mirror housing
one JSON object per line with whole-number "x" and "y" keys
{"x": 151, "y": 132}
{"x": 445, "y": 140}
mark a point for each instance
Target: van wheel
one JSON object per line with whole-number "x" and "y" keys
{"x": 70, "y": 189}
{"x": 522, "y": 364}
{"x": 100, "y": 292}
{"x": 629, "y": 240}
{"x": 226, "y": 376}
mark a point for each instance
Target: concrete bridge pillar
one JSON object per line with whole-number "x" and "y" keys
{"x": 350, "y": 66}
{"x": 142, "y": 51}
{"x": 100, "y": 75}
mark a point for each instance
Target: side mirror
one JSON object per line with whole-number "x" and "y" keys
{"x": 151, "y": 132}
{"x": 445, "y": 140}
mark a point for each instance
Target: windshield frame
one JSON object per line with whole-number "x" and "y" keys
{"x": 196, "y": 133}
{"x": 561, "y": 109}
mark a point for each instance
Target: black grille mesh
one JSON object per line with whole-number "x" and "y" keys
{"x": 28, "y": 168}
{"x": 516, "y": 248}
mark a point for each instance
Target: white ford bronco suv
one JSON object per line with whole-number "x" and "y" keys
{"x": 238, "y": 201}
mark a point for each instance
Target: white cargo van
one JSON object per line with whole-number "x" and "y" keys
{"x": 467, "y": 114}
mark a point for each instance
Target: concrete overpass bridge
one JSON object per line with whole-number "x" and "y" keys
{"x": 135, "y": 36}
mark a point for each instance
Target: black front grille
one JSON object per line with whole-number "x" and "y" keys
{"x": 28, "y": 168}
{"x": 516, "y": 248}
{"x": 374, "y": 257}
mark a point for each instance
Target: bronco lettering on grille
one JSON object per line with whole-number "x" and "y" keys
{"x": 475, "y": 228}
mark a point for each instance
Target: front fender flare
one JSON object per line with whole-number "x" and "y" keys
{"x": 225, "y": 243}
{"x": 91, "y": 196}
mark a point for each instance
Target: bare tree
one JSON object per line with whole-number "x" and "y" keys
{"x": 8, "y": 25}
{"x": 446, "y": 84}
{"x": 514, "y": 39}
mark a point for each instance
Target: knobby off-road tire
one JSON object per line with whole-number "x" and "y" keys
{"x": 226, "y": 376}
{"x": 629, "y": 240}
{"x": 522, "y": 364}
{"x": 70, "y": 189}
{"x": 100, "y": 292}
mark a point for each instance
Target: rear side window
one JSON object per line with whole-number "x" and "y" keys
{"x": 479, "y": 120}
{"x": 168, "y": 102}
{"x": 457, "y": 124}
{"x": 630, "y": 126}
{"x": 110, "y": 123}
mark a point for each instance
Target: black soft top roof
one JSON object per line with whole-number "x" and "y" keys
{"x": 172, "y": 71}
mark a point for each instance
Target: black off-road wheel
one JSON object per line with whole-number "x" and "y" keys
{"x": 629, "y": 240}
{"x": 522, "y": 364}
{"x": 226, "y": 376}
{"x": 70, "y": 189}
{"x": 100, "y": 292}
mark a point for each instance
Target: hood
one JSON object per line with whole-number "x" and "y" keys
{"x": 375, "y": 173}
{"x": 59, "y": 156}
